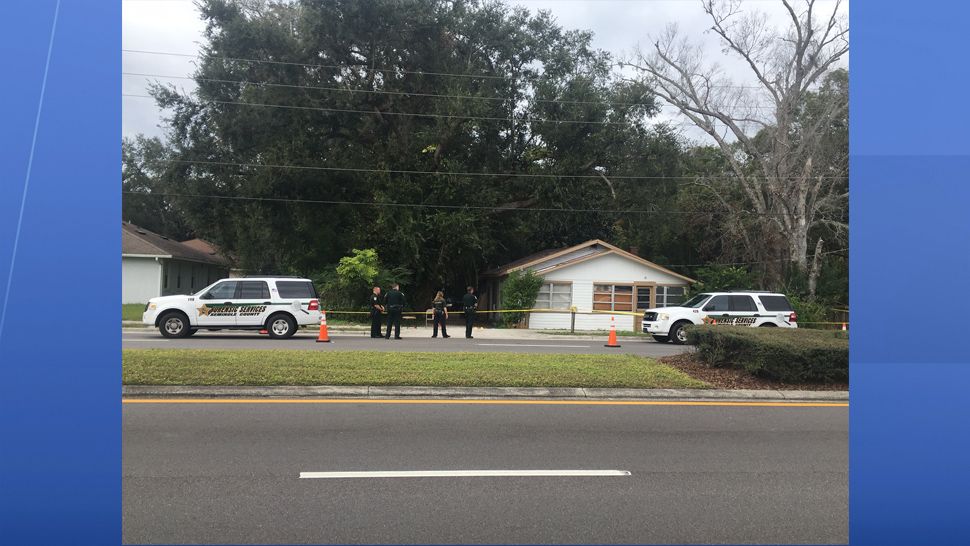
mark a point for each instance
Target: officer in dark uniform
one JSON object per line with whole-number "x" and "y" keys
{"x": 394, "y": 303}
{"x": 469, "y": 303}
{"x": 439, "y": 307}
{"x": 375, "y": 313}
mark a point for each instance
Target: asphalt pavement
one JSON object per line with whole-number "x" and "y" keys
{"x": 229, "y": 472}
{"x": 411, "y": 342}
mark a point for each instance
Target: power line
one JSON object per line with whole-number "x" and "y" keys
{"x": 449, "y": 173}
{"x": 380, "y": 91}
{"x": 385, "y": 113}
{"x": 361, "y": 67}
{"x": 826, "y": 253}
{"x": 413, "y": 205}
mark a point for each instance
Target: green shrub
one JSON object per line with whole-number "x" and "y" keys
{"x": 519, "y": 291}
{"x": 788, "y": 355}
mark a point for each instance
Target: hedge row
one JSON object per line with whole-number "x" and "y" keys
{"x": 783, "y": 354}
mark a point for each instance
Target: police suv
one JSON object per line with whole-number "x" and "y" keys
{"x": 279, "y": 305}
{"x": 736, "y": 308}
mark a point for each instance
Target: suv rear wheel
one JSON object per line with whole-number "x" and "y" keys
{"x": 174, "y": 324}
{"x": 281, "y": 326}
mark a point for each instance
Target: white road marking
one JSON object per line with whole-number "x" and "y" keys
{"x": 462, "y": 473}
{"x": 526, "y": 345}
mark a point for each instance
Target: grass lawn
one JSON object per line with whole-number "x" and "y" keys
{"x": 267, "y": 367}
{"x": 132, "y": 311}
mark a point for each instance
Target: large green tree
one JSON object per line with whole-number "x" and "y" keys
{"x": 346, "y": 95}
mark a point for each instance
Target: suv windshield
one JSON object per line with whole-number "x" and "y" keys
{"x": 696, "y": 301}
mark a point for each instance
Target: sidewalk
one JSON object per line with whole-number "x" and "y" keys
{"x": 364, "y": 392}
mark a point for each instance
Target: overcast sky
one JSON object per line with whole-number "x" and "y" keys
{"x": 618, "y": 25}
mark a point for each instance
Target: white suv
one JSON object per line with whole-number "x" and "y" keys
{"x": 279, "y": 305}
{"x": 733, "y": 308}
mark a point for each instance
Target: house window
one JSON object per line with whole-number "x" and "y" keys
{"x": 670, "y": 296}
{"x": 643, "y": 297}
{"x": 612, "y": 297}
{"x": 555, "y": 296}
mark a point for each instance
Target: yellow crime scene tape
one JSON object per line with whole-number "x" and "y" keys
{"x": 565, "y": 311}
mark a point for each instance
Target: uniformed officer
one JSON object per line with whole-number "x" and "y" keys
{"x": 375, "y": 313}
{"x": 469, "y": 303}
{"x": 394, "y": 303}
{"x": 440, "y": 310}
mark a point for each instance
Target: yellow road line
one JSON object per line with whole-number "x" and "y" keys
{"x": 479, "y": 402}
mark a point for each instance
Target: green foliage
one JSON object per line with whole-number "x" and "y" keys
{"x": 359, "y": 269}
{"x": 348, "y": 285}
{"x": 811, "y": 311}
{"x": 782, "y": 354}
{"x": 718, "y": 277}
{"x": 519, "y": 291}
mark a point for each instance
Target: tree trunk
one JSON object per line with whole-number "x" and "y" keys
{"x": 816, "y": 269}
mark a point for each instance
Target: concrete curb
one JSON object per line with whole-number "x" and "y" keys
{"x": 326, "y": 391}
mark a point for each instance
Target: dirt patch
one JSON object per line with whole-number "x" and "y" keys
{"x": 726, "y": 378}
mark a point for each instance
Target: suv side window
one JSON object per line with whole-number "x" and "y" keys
{"x": 222, "y": 291}
{"x": 775, "y": 303}
{"x": 718, "y": 303}
{"x": 296, "y": 289}
{"x": 743, "y": 303}
{"x": 252, "y": 290}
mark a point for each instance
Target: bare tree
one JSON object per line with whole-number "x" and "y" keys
{"x": 773, "y": 150}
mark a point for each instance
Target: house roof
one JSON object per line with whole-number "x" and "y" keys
{"x": 547, "y": 260}
{"x": 139, "y": 241}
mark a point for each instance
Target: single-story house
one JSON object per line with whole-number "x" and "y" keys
{"x": 154, "y": 265}
{"x": 591, "y": 276}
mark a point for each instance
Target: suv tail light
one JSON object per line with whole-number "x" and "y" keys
{"x": 792, "y": 317}
{"x": 315, "y": 306}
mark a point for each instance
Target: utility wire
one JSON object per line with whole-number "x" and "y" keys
{"x": 385, "y": 113}
{"x": 453, "y": 173}
{"x": 415, "y": 205}
{"x": 826, "y": 253}
{"x": 358, "y": 66}
{"x": 381, "y": 91}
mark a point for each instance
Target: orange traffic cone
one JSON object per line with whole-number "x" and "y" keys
{"x": 611, "y": 342}
{"x": 843, "y": 327}
{"x": 324, "y": 337}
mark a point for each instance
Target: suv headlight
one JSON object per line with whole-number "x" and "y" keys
{"x": 150, "y": 306}
{"x": 663, "y": 316}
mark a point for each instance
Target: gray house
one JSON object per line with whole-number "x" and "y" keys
{"x": 154, "y": 265}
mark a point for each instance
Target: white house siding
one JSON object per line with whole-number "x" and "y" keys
{"x": 611, "y": 268}
{"x": 607, "y": 269}
{"x": 140, "y": 278}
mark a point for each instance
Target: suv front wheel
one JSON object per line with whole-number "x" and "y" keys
{"x": 678, "y": 332}
{"x": 174, "y": 325}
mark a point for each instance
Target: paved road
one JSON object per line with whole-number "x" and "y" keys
{"x": 307, "y": 341}
{"x": 229, "y": 473}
